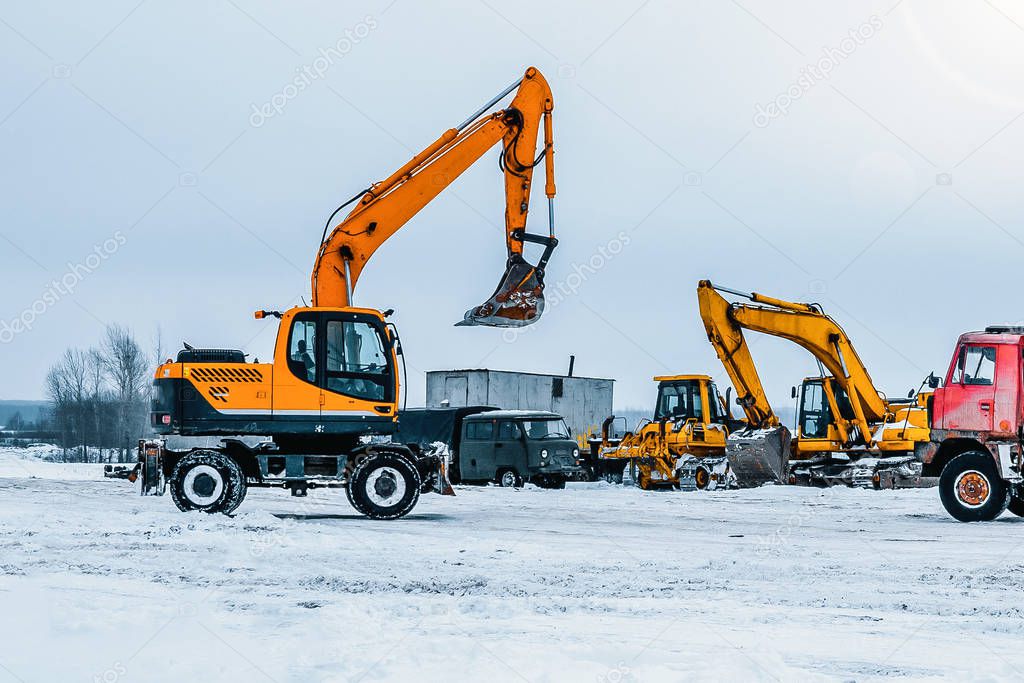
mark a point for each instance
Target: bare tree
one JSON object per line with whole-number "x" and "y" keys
{"x": 127, "y": 369}
{"x": 66, "y": 387}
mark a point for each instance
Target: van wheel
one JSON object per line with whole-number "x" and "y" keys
{"x": 550, "y": 481}
{"x": 510, "y": 479}
{"x": 384, "y": 486}
{"x": 210, "y": 481}
{"x": 971, "y": 489}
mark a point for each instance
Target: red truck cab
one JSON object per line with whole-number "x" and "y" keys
{"x": 975, "y": 419}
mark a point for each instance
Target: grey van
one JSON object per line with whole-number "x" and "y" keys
{"x": 511, "y": 447}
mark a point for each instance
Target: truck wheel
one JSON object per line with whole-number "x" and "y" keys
{"x": 510, "y": 479}
{"x": 210, "y": 481}
{"x": 384, "y": 486}
{"x": 1016, "y": 506}
{"x": 971, "y": 489}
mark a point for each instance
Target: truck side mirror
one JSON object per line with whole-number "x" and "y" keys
{"x": 933, "y": 381}
{"x": 792, "y": 392}
{"x": 911, "y": 393}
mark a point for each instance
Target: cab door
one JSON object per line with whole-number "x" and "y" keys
{"x": 297, "y": 395}
{"x": 969, "y": 396}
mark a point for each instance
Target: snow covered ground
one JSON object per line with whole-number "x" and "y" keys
{"x": 593, "y": 583}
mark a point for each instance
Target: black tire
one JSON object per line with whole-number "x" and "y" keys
{"x": 971, "y": 489}
{"x": 384, "y": 486}
{"x": 550, "y": 481}
{"x": 209, "y": 481}
{"x": 509, "y": 478}
{"x": 1016, "y": 506}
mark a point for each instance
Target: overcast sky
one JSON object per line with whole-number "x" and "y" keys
{"x": 865, "y": 157}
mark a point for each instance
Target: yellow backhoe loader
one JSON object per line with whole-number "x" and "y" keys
{"x": 848, "y": 432}
{"x": 331, "y": 394}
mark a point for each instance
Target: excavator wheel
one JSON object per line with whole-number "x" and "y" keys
{"x": 971, "y": 489}
{"x": 208, "y": 480}
{"x": 384, "y": 485}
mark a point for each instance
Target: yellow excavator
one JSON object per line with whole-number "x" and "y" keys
{"x": 848, "y": 432}
{"x": 324, "y": 408}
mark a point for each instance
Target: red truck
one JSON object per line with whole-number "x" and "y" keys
{"x": 977, "y": 427}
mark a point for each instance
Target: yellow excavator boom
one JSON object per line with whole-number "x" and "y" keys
{"x": 803, "y": 324}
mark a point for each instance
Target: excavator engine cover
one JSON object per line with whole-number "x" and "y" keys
{"x": 518, "y": 300}
{"x": 759, "y": 456}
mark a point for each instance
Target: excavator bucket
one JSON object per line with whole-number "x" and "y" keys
{"x": 518, "y": 300}
{"x": 759, "y": 456}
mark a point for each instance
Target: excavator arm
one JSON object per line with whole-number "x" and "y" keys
{"x": 802, "y": 324}
{"x": 389, "y": 204}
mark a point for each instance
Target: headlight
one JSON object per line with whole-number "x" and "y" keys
{"x": 543, "y": 454}
{"x": 575, "y": 452}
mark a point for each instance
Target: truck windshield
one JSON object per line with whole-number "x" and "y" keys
{"x": 546, "y": 429}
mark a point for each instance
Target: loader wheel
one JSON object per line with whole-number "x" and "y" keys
{"x": 210, "y": 481}
{"x": 971, "y": 489}
{"x": 384, "y": 486}
{"x": 702, "y": 478}
{"x": 510, "y": 479}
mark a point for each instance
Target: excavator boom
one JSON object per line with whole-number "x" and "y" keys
{"x": 803, "y": 324}
{"x": 388, "y": 205}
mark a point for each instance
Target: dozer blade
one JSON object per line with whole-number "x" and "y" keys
{"x": 759, "y": 456}
{"x": 518, "y": 300}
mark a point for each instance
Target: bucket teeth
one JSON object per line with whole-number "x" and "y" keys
{"x": 518, "y": 301}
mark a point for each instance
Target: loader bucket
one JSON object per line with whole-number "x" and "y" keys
{"x": 759, "y": 456}
{"x": 518, "y": 300}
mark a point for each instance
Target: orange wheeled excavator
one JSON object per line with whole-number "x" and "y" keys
{"x": 325, "y": 406}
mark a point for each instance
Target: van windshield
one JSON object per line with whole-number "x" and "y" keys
{"x": 546, "y": 429}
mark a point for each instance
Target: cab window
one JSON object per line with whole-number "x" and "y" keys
{"x": 975, "y": 366}
{"x": 680, "y": 401}
{"x": 302, "y": 350}
{"x": 356, "y": 364}
{"x": 715, "y": 414}
{"x": 814, "y": 411}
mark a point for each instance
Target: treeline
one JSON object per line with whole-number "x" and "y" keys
{"x": 99, "y": 398}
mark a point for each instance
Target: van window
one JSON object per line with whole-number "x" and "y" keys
{"x": 479, "y": 431}
{"x": 508, "y": 431}
{"x": 975, "y": 365}
{"x": 546, "y": 429}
